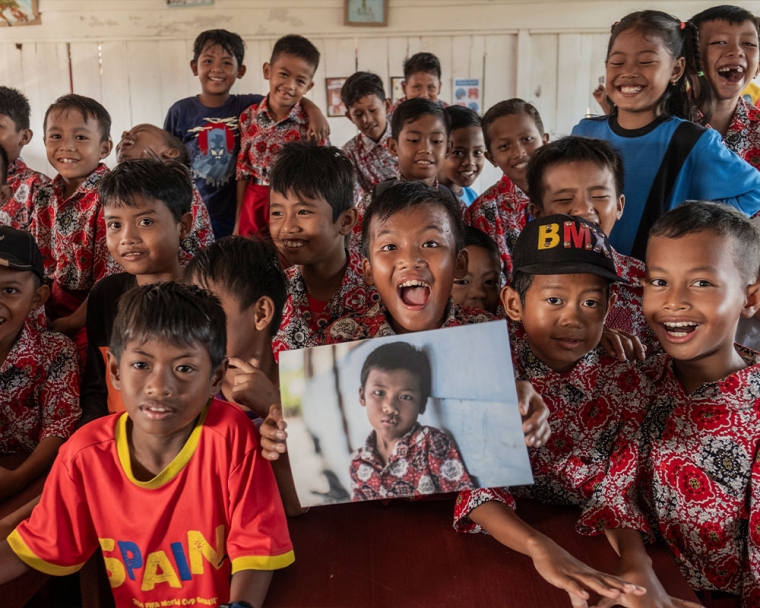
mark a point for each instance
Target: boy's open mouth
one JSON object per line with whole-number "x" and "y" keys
{"x": 731, "y": 73}
{"x": 414, "y": 293}
{"x": 680, "y": 329}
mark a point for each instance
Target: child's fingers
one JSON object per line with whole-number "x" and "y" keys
{"x": 610, "y": 586}
{"x": 242, "y": 365}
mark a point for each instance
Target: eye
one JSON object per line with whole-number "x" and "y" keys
{"x": 750, "y": 44}
{"x": 302, "y": 82}
{"x": 388, "y": 247}
{"x": 457, "y": 153}
{"x": 145, "y": 222}
{"x": 658, "y": 282}
{"x": 503, "y": 147}
{"x": 304, "y": 212}
{"x": 407, "y": 397}
{"x": 431, "y": 244}
{"x": 703, "y": 283}
{"x": 378, "y": 393}
{"x": 54, "y": 136}
{"x": 412, "y": 140}
{"x": 615, "y": 64}
{"x": 438, "y": 141}
{"x": 10, "y": 290}
{"x": 139, "y": 365}
{"x": 716, "y": 42}
{"x": 478, "y": 153}
{"x": 528, "y": 139}
{"x": 554, "y": 301}
{"x": 490, "y": 282}
{"x": 82, "y": 138}
{"x": 185, "y": 369}
{"x": 591, "y": 303}
{"x": 114, "y": 225}
{"x": 601, "y": 196}
{"x": 461, "y": 282}
{"x": 275, "y": 213}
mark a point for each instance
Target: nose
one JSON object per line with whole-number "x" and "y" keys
{"x": 289, "y": 223}
{"x": 128, "y": 233}
{"x": 158, "y": 383}
{"x": 389, "y": 405}
{"x": 571, "y": 316}
{"x": 584, "y": 208}
{"x": 676, "y": 299}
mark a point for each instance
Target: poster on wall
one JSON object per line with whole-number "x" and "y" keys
{"x": 335, "y": 105}
{"x": 399, "y": 416}
{"x": 397, "y": 91}
{"x": 19, "y": 12}
{"x": 468, "y": 92}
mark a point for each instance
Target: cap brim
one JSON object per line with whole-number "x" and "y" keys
{"x": 576, "y": 268}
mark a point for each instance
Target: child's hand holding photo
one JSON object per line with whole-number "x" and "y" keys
{"x": 251, "y": 387}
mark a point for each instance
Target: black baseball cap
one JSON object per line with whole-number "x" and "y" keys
{"x": 564, "y": 244}
{"x": 19, "y": 250}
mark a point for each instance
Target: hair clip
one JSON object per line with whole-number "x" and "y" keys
{"x": 683, "y": 25}
{"x": 700, "y": 74}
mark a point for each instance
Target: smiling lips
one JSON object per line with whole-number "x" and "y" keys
{"x": 156, "y": 411}
{"x": 630, "y": 89}
{"x": 680, "y": 329}
{"x": 732, "y": 73}
{"x": 414, "y": 293}
{"x": 297, "y": 244}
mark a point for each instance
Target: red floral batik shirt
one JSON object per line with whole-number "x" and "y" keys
{"x": 17, "y": 212}
{"x": 372, "y": 161}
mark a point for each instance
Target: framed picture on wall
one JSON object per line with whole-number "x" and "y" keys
{"x": 335, "y": 105}
{"x": 19, "y": 12}
{"x": 373, "y": 13}
{"x": 397, "y": 91}
{"x": 189, "y": 2}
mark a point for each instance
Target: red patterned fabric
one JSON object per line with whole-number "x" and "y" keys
{"x": 588, "y": 406}
{"x": 201, "y": 233}
{"x": 501, "y": 212}
{"x": 372, "y": 161}
{"x": 373, "y": 323}
{"x": 424, "y": 461}
{"x": 689, "y": 475}
{"x": 71, "y": 233}
{"x": 39, "y": 389}
{"x": 17, "y": 212}
{"x": 261, "y": 139}
{"x": 297, "y": 327}
{"x": 743, "y": 135}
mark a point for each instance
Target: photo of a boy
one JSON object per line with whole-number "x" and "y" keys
{"x": 402, "y": 457}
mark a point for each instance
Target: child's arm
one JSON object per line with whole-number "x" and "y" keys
{"x": 552, "y": 562}
{"x": 70, "y": 326}
{"x": 252, "y": 388}
{"x": 319, "y": 128}
{"x": 250, "y": 586}
{"x": 39, "y": 461}
{"x": 535, "y": 414}
{"x": 11, "y": 567}
{"x": 9, "y": 522}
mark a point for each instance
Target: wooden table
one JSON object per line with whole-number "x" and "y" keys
{"x": 407, "y": 554}
{"x": 18, "y": 592}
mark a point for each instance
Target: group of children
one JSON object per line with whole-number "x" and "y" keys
{"x": 622, "y": 303}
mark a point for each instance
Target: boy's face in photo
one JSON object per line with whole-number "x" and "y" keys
{"x": 164, "y": 387}
{"x": 303, "y": 228}
{"x": 729, "y": 56}
{"x": 290, "y": 78}
{"x": 413, "y": 261}
{"x": 141, "y": 141}
{"x": 20, "y": 293}
{"x": 421, "y": 148}
{"x": 422, "y": 84}
{"x": 464, "y": 162}
{"x": 370, "y": 116}
{"x": 74, "y": 145}
{"x": 514, "y": 138}
{"x": 13, "y": 139}
{"x": 394, "y": 402}
{"x": 583, "y": 189}
{"x": 144, "y": 238}
{"x": 479, "y": 288}
{"x": 694, "y": 295}
{"x": 563, "y": 316}
{"x": 217, "y": 69}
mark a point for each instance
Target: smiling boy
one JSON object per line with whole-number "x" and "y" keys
{"x": 422, "y": 79}
{"x": 480, "y": 287}
{"x": 465, "y": 158}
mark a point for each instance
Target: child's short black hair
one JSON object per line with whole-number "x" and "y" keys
{"x": 461, "y": 117}
{"x": 229, "y": 41}
{"x": 151, "y": 179}
{"x": 412, "y": 109}
{"x": 404, "y": 195}
{"x": 87, "y": 107}
{"x": 422, "y": 62}
{"x": 510, "y": 107}
{"x": 298, "y": 46}
{"x": 246, "y": 268}
{"x": 175, "y": 143}
{"x": 474, "y": 237}
{"x": 361, "y": 84}
{"x": 568, "y": 150}
{"x": 313, "y": 171}
{"x": 401, "y": 355}
{"x": 15, "y": 106}
{"x": 3, "y": 166}
{"x": 702, "y": 216}
{"x": 181, "y": 315}
{"x": 735, "y": 15}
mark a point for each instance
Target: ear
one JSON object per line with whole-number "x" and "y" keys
{"x": 388, "y": 103}
{"x": 242, "y": 70}
{"x": 26, "y": 136}
{"x": 535, "y": 211}
{"x": 169, "y": 154}
{"x": 489, "y": 156}
{"x": 403, "y": 87}
{"x": 40, "y": 296}
{"x": 194, "y": 67}
{"x": 367, "y": 269}
{"x": 393, "y": 146}
{"x": 610, "y": 303}
{"x": 347, "y": 220}
{"x": 510, "y": 299}
{"x": 463, "y": 260}
{"x": 105, "y": 148}
{"x": 348, "y": 115}
{"x": 361, "y": 397}
{"x": 217, "y": 377}
{"x": 545, "y": 138}
{"x": 5, "y": 194}
{"x": 311, "y": 84}
{"x": 449, "y": 146}
{"x": 678, "y": 69}
{"x": 185, "y": 225}
{"x": 752, "y": 303}
{"x": 620, "y": 206}
{"x": 112, "y": 365}
{"x": 263, "y": 313}
{"x": 267, "y": 69}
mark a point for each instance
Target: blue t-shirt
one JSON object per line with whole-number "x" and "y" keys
{"x": 711, "y": 171}
{"x": 468, "y": 195}
{"x": 212, "y": 138}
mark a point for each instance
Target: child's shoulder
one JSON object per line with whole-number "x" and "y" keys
{"x": 43, "y": 346}
{"x": 229, "y": 423}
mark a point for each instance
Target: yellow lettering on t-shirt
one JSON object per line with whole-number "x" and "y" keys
{"x": 548, "y": 236}
{"x": 200, "y": 548}
{"x": 114, "y": 568}
{"x": 158, "y": 569}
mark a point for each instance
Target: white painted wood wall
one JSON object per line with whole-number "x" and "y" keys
{"x": 133, "y": 55}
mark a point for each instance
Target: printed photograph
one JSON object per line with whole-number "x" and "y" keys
{"x": 19, "y": 12}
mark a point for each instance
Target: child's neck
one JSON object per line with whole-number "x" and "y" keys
{"x": 693, "y": 374}
{"x": 324, "y": 278}
{"x": 173, "y": 272}
{"x": 723, "y": 115}
{"x": 635, "y": 120}
{"x": 455, "y": 188}
{"x": 70, "y": 186}
{"x": 213, "y": 101}
{"x": 149, "y": 455}
{"x": 278, "y": 112}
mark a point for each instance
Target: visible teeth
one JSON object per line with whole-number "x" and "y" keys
{"x": 293, "y": 244}
{"x": 66, "y": 161}
{"x": 424, "y": 162}
{"x": 629, "y": 90}
{"x": 732, "y": 68}
{"x": 520, "y": 165}
{"x": 681, "y": 324}
{"x": 414, "y": 283}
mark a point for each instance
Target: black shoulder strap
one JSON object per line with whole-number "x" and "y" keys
{"x": 681, "y": 143}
